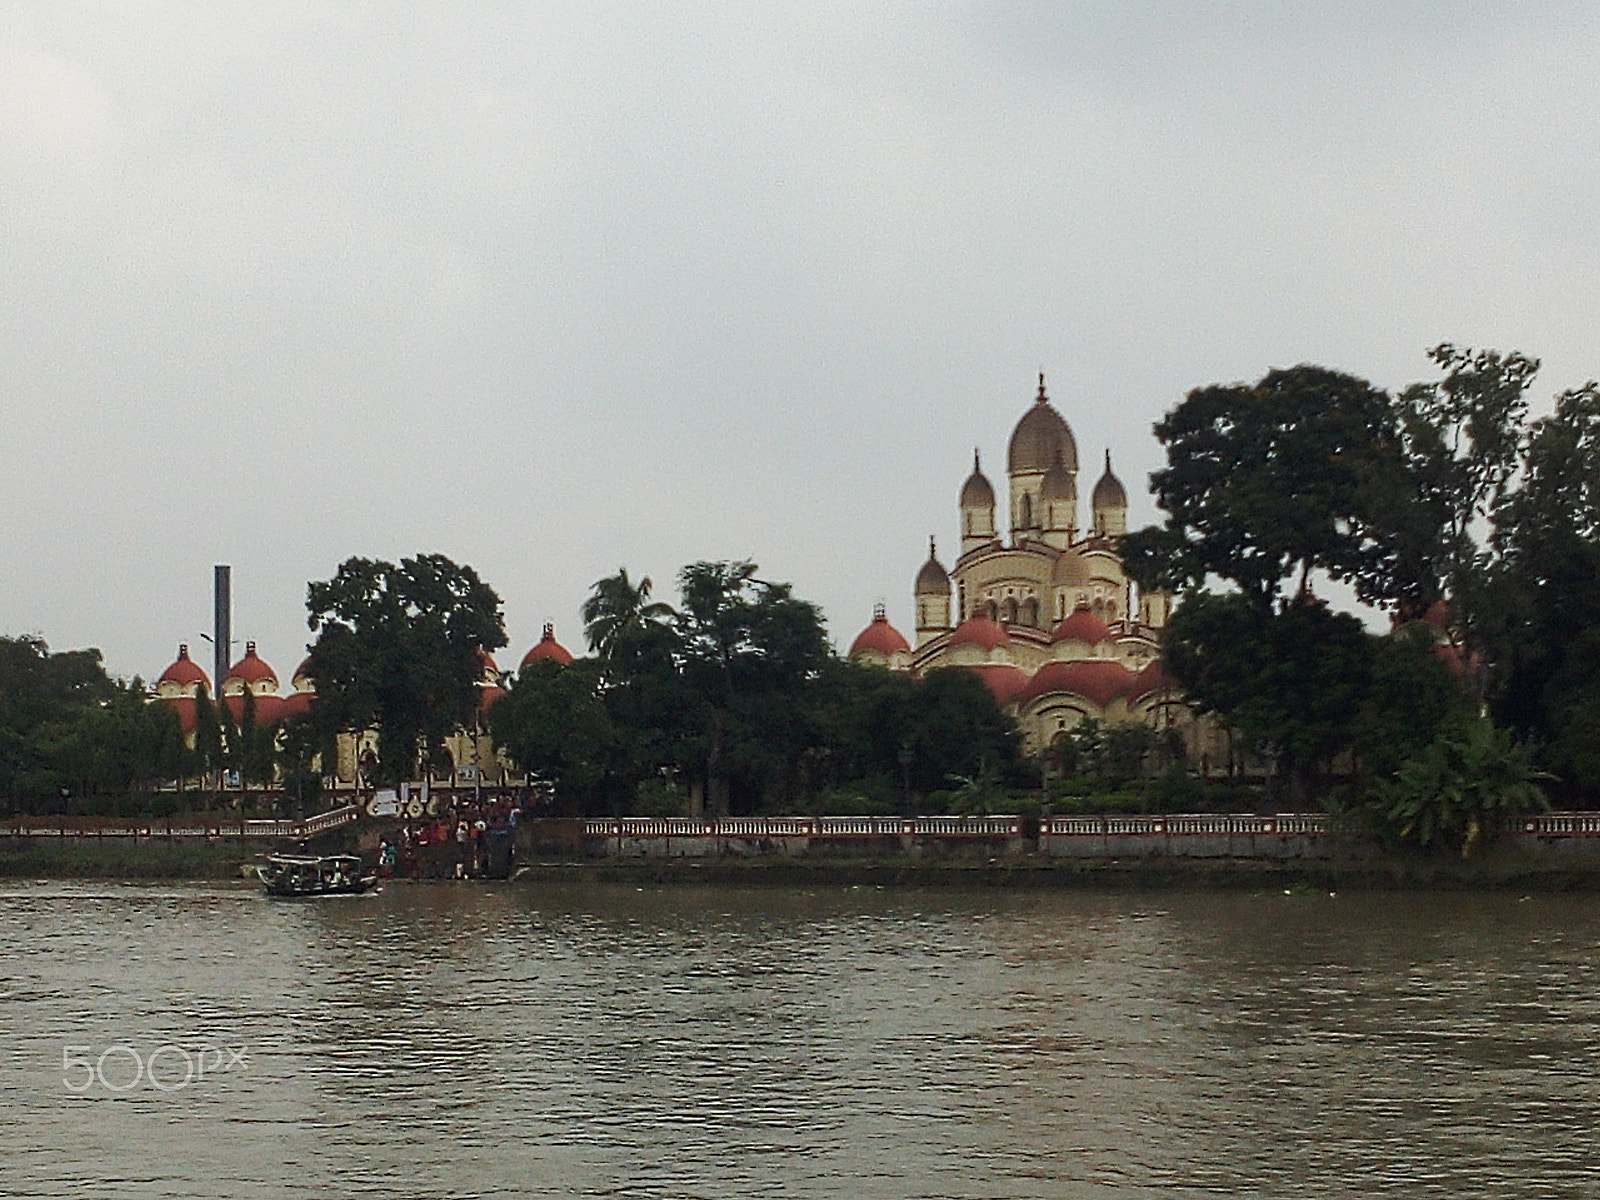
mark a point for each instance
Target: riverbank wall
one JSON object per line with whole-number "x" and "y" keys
{"x": 1546, "y": 851}
{"x": 1277, "y": 837}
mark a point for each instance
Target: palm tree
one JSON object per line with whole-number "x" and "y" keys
{"x": 616, "y": 608}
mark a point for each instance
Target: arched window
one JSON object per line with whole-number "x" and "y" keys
{"x": 1025, "y": 510}
{"x": 1008, "y": 611}
{"x": 1030, "y": 611}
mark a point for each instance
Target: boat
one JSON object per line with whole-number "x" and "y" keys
{"x": 313, "y": 875}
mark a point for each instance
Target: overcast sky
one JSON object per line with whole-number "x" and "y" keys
{"x": 558, "y": 288}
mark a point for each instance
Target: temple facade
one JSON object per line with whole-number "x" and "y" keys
{"x": 1037, "y": 602}
{"x": 473, "y": 759}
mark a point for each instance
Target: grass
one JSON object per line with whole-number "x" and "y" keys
{"x": 121, "y": 858}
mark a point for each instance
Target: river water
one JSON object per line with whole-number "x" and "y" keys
{"x": 565, "y": 1040}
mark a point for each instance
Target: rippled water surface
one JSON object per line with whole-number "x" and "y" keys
{"x": 543, "y": 1040}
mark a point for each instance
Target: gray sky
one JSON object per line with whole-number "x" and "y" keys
{"x": 557, "y": 288}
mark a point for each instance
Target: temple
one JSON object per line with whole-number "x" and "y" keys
{"x": 472, "y": 755}
{"x": 1037, "y": 602}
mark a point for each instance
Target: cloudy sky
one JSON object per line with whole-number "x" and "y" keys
{"x": 557, "y": 288}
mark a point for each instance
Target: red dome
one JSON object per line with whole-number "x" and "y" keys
{"x": 251, "y": 669}
{"x": 1082, "y": 626}
{"x": 185, "y": 707}
{"x": 1153, "y": 678}
{"x": 269, "y": 708}
{"x": 1003, "y": 680}
{"x": 184, "y": 671}
{"x": 547, "y": 647}
{"x": 295, "y": 703}
{"x": 488, "y": 694}
{"x": 490, "y": 669}
{"x": 1099, "y": 680}
{"x": 880, "y": 637}
{"x": 980, "y": 631}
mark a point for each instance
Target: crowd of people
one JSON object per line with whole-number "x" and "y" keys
{"x": 469, "y": 839}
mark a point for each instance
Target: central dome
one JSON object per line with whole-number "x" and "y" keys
{"x": 1041, "y": 439}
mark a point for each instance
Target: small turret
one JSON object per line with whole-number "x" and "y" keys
{"x": 977, "y": 508}
{"x": 932, "y": 597}
{"x": 1110, "y": 504}
{"x": 1058, "y": 498}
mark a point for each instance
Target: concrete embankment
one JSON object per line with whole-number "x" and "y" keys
{"x": 49, "y": 858}
{"x": 1211, "y": 852}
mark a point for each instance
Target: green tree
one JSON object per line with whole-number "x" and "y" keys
{"x": 1460, "y": 444}
{"x": 954, "y": 728}
{"x": 300, "y": 754}
{"x": 1540, "y": 622}
{"x": 397, "y": 648}
{"x": 40, "y": 695}
{"x": 554, "y": 724}
{"x": 67, "y": 729}
{"x": 750, "y": 650}
{"x": 1290, "y": 682}
{"x": 207, "y": 753}
{"x": 1412, "y": 696}
{"x": 619, "y": 616}
{"x": 1265, "y": 482}
{"x": 1458, "y": 791}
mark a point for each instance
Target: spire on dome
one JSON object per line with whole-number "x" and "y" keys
{"x": 879, "y": 640}
{"x": 1042, "y": 397}
{"x": 548, "y": 647}
{"x": 933, "y": 577}
{"x": 1110, "y": 503}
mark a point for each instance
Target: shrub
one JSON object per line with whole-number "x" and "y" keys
{"x": 1458, "y": 791}
{"x": 1175, "y": 790}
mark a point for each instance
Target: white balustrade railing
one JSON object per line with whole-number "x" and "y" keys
{"x": 861, "y": 826}
{"x": 1171, "y": 825}
{"x": 329, "y": 820}
{"x": 784, "y": 827}
{"x": 1193, "y": 825}
{"x": 1004, "y": 826}
{"x": 1562, "y": 824}
{"x": 104, "y": 827}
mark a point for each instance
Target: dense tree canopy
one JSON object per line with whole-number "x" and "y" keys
{"x": 397, "y": 649}
{"x": 1539, "y": 610}
{"x": 69, "y": 730}
{"x": 735, "y": 700}
{"x": 1438, "y": 494}
{"x": 1267, "y": 482}
{"x": 1460, "y": 443}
